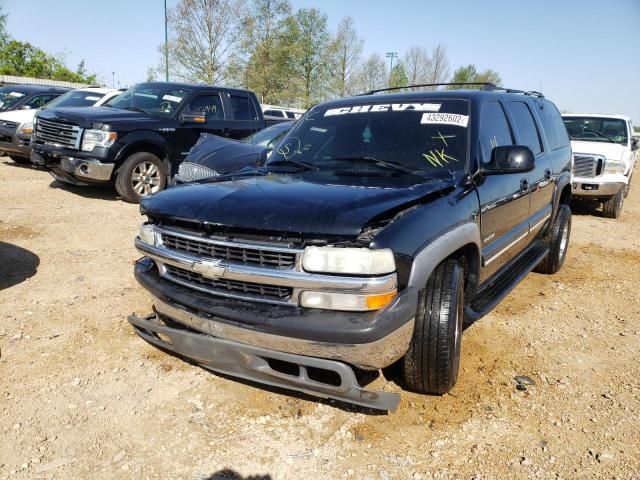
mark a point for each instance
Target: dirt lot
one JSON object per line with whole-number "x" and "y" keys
{"x": 83, "y": 397}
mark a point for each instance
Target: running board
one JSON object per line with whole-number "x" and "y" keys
{"x": 278, "y": 369}
{"x": 500, "y": 286}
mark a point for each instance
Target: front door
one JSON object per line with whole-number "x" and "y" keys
{"x": 504, "y": 199}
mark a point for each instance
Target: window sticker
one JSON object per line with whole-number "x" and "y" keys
{"x": 92, "y": 98}
{"x": 318, "y": 129}
{"x": 445, "y": 119}
{"x": 383, "y": 107}
{"x": 172, "y": 98}
{"x": 16, "y": 94}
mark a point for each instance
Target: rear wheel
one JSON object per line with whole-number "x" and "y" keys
{"x": 627, "y": 187}
{"x": 141, "y": 174}
{"x": 20, "y": 160}
{"x": 558, "y": 241}
{"x": 612, "y": 207}
{"x": 431, "y": 364}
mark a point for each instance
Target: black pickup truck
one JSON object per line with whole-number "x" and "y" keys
{"x": 377, "y": 225}
{"x": 140, "y": 138}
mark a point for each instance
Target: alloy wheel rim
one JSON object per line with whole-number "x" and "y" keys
{"x": 564, "y": 240}
{"x": 145, "y": 178}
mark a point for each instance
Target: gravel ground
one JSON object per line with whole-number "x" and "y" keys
{"x": 83, "y": 397}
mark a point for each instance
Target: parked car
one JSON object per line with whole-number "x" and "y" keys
{"x": 213, "y": 156}
{"x": 282, "y": 112}
{"x": 16, "y": 126}
{"x": 377, "y": 223}
{"x": 605, "y": 153}
{"x": 25, "y": 97}
{"x": 143, "y": 135}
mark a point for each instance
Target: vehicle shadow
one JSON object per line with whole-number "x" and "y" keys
{"x": 16, "y": 265}
{"x": 229, "y": 474}
{"x": 26, "y": 166}
{"x": 98, "y": 192}
{"x": 586, "y": 207}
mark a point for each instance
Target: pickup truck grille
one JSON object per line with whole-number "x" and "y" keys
{"x": 587, "y": 165}
{"x": 8, "y": 124}
{"x": 58, "y": 133}
{"x": 229, "y": 286}
{"x": 245, "y": 254}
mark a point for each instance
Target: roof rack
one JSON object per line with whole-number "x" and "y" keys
{"x": 486, "y": 86}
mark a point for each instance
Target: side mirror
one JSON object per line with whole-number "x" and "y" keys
{"x": 509, "y": 159}
{"x": 634, "y": 143}
{"x": 200, "y": 117}
{"x": 263, "y": 156}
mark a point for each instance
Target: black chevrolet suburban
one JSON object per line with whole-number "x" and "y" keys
{"x": 377, "y": 225}
{"x": 140, "y": 138}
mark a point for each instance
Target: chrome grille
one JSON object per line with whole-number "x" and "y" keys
{"x": 258, "y": 255}
{"x": 229, "y": 286}
{"x": 58, "y": 133}
{"x": 8, "y": 124}
{"x": 586, "y": 165}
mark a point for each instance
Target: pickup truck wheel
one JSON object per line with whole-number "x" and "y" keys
{"x": 432, "y": 361}
{"x": 558, "y": 240}
{"x": 141, "y": 174}
{"x": 612, "y": 207}
{"x": 20, "y": 160}
{"x": 627, "y": 187}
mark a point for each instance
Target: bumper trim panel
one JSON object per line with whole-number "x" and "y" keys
{"x": 252, "y": 363}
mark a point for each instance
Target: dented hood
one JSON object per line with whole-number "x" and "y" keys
{"x": 313, "y": 203}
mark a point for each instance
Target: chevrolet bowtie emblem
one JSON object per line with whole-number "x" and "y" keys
{"x": 209, "y": 269}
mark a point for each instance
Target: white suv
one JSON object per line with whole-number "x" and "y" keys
{"x": 604, "y": 152}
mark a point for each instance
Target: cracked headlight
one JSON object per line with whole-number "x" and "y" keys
{"x": 97, "y": 138}
{"x": 351, "y": 261}
{"x": 191, "y": 172}
{"x": 146, "y": 234}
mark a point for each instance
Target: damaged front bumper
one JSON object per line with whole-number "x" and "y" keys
{"x": 315, "y": 376}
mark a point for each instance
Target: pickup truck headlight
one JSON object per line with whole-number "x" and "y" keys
{"x": 26, "y": 128}
{"x": 97, "y": 138}
{"x": 146, "y": 234}
{"x": 614, "y": 166}
{"x": 351, "y": 261}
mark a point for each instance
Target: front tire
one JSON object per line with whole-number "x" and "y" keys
{"x": 431, "y": 364}
{"x": 20, "y": 160}
{"x": 141, "y": 174}
{"x": 612, "y": 207}
{"x": 558, "y": 242}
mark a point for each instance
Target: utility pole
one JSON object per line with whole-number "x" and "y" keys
{"x": 113, "y": 79}
{"x": 166, "y": 44}
{"x": 391, "y": 56}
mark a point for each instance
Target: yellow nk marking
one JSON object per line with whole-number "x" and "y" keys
{"x": 438, "y": 158}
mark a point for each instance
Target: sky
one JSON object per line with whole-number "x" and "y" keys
{"x": 584, "y": 55}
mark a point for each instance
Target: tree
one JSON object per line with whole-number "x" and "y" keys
{"x": 345, "y": 51}
{"x": 417, "y": 65}
{"x": 4, "y": 35}
{"x": 203, "y": 34}
{"x": 151, "y": 74}
{"x": 398, "y": 77}
{"x": 313, "y": 41}
{"x": 438, "y": 65}
{"x": 372, "y": 74}
{"x": 469, "y": 73}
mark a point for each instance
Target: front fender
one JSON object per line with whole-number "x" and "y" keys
{"x": 134, "y": 140}
{"x": 564, "y": 179}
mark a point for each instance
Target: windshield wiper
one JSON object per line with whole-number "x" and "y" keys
{"x": 137, "y": 109}
{"x": 305, "y": 165}
{"x": 601, "y": 135}
{"x": 391, "y": 165}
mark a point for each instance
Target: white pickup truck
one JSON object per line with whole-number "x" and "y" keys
{"x": 604, "y": 151}
{"x": 16, "y": 126}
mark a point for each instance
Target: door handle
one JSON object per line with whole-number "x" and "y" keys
{"x": 524, "y": 185}
{"x": 547, "y": 174}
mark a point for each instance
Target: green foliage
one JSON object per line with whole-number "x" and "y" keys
{"x": 312, "y": 43}
{"x": 4, "y": 35}
{"x": 398, "y": 77}
{"x": 469, "y": 73}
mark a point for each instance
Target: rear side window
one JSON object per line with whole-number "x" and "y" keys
{"x": 41, "y": 100}
{"x": 210, "y": 104}
{"x": 525, "y": 126}
{"x": 274, "y": 113}
{"x": 242, "y": 108}
{"x": 553, "y": 126}
{"x": 494, "y": 129}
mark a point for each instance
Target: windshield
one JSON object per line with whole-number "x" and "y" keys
{"x": 75, "y": 98}
{"x": 597, "y": 129}
{"x": 427, "y": 138}
{"x": 158, "y": 100}
{"x": 9, "y": 97}
{"x": 268, "y": 137}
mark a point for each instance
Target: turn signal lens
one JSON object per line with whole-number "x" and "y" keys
{"x": 346, "y": 301}
{"x": 376, "y": 302}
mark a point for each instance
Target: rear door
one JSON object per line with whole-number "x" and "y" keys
{"x": 527, "y": 133}
{"x": 243, "y": 117}
{"x": 504, "y": 199}
{"x": 208, "y": 104}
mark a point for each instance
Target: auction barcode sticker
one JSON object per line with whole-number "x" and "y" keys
{"x": 445, "y": 119}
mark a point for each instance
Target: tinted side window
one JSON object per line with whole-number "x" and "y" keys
{"x": 525, "y": 126}
{"x": 210, "y": 104}
{"x": 553, "y": 126}
{"x": 242, "y": 107}
{"x": 494, "y": 129}
{"x": 40, "y": 100}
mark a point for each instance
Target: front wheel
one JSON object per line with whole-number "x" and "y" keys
{"x": 431, "y": 364}
{"x": 141, "y": 174}
{"x": 612, "y": 207}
